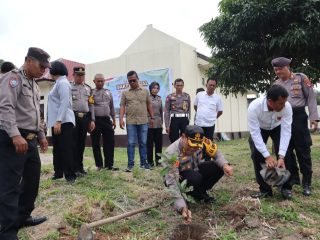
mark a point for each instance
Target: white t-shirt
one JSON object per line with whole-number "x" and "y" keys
{"x": 208, "y": 107}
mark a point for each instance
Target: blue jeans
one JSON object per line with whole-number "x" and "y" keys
{"x": 134, "y": 131}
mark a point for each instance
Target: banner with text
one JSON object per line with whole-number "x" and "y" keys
{"x": 119, "y": 84}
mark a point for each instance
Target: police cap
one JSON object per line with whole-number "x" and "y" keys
{"x": 40, "y": 55}
{"x": 280, "y": 62}
{"x": 79, "y": 70}
{"x": 195, "y": 136}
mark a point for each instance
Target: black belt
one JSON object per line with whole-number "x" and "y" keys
{"x": 29, "y": 135}
{"x": 297, "y": 110}
{"x": 102, "y": 117}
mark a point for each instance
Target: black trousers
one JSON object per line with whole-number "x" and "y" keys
{"x": 104, "y": 128}
{"x": 257, "y": 158}
{"x": 19, "y": 184}
{"x": 62, "y": 151}
{"x": 177, "y": 127}
{"x": 79, "y": 139}
{"x": 204, "y": 179}
{"x": 154, "y": 138}
{"x": 208, "y": 133}
{"x": 300, "y": 143}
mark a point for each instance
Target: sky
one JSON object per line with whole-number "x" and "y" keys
{"x": 96, "y": 30}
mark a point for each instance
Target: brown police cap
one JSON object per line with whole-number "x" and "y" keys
{"x": 79, "y": 70}
{"x": 195, "y": 135}
{"x": 40, "y": 55}
{"x": 280, "y": 62}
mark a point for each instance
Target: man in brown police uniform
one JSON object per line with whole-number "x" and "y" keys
{"x": 105, "y": 122}
{"x": 301, "y": 94}
{"x": 20, "y": 131}
{"x": 177, "y": 111}
{"x": 81, "y": 106}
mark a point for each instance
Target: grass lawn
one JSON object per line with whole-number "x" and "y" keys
{"x": 234, "y": 216}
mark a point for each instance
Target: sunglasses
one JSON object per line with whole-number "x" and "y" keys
{"x": 132, "y": 81}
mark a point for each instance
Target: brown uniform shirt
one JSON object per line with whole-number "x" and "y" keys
{"x": 80, "y": 97}
{"x": 157, "y": 111}
{"x": 301, "y": 93}
{"x": 103, "y": 103}
{"x": 19, "y": 104}
{"x": 136, "y": 102}
{"x": 176, "y": 104}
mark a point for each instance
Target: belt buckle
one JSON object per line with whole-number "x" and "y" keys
{"x": 30, "y": 136}
{"x": 80, "y": 114}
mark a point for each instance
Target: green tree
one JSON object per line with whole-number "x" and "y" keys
{"x": 248, "y": 34}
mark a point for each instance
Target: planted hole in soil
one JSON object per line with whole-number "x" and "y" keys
{"x": 191, "y": 231}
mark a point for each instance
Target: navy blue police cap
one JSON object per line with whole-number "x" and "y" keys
{"x": 280, "y": 62}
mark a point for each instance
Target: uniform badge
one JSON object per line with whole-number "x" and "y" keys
{"x": 13, "y": 83}
{"x": 296, "y": 86}
{"x": 197, "y": 136}
{"x": 185, "y": 105}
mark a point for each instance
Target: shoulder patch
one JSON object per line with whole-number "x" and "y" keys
{"x": 13, "y": 83}
{"x": 307, "y": 82}
{"x": 91, "y": 100}
{"x": 107, "y": 92}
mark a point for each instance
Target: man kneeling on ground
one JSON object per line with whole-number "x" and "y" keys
{"x": 199, "y": 174}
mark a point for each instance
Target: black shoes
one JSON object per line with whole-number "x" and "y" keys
{"x": 262, "y": 195}
{"x": 286, "y": 194}
{"x": 55, "y": 177}
{"x": 71, "y": 179}
{"x": 209, "y": 199}
{"x": 306, "y": 190}
{"x": 203, "y": 197}
{"x": 112, "y": 169}
{"x": 81, "y": 173}
{"x": 33, "y": 221}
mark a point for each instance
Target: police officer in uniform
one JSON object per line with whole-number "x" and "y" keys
{"x": 301, "y": 94}
{"x": 155, "y": 131}
{"x": 20, "y": 132}
{"x": 177, "y": 111}
{"x": 190, "y": 165}
{"x": 80, "y": 103}
{"x": 105, "y": 122}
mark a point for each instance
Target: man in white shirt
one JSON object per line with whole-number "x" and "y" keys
{"x": 208, "y": 107}
{"x": 270, "y": 116}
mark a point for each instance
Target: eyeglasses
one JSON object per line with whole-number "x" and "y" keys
{"x": 132, "y": 81}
